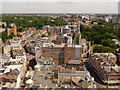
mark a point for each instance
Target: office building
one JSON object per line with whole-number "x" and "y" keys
{"x": 60, "y": 54}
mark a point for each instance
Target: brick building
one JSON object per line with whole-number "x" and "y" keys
{"x": 12, "y": 29}
{"x": 104, "y": 64}
{"x": 60, "y": 54}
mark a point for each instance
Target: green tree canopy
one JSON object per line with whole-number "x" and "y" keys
{"x": 103, "y": 49}
{"x": 4, "y": 36}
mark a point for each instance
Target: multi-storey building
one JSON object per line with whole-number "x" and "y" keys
{"x": 65, "y": 39}
{"x": 12, "y": 29}
{"x": 6, "y": 50}
{"x": 104, "y": 64}
{"x": 60, "y": 54}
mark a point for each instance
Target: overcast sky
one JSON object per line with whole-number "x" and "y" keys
{"x": 60, "y": 6}
{"x": 60, "y": 0}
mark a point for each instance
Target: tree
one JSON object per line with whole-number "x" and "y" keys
{"x": 107, "y": 42}
{"x": 11, "y": 35}
{"x": 102, "y": 22}
{"x": 82, "y": 28}
{"x": 3, "y": 26}
{"x": 4, "y": 36}
{"x": 37, "y": 21}
{"x": 43, "y": 35}
{"x": 21, "y": 29}
{"x": 103, "y": 35}
{"x": 103, "y": 49}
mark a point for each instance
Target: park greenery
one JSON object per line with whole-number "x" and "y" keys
{"x": 101, "y": 36}
{"x": 33, "y": 21}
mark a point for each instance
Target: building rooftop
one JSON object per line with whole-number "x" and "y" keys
{"x": 39, "y": 80}
{"x": 61, "y": 45}
{"x": 105, "y": 59}
{"x": 75, "y": 62}
{"x": 18, "y": 52}
{"x": 5, "y": 57}
{"x": 12, "y": 67}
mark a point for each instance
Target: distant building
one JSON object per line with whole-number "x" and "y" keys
{"x": 65, "y": 39}
{"x": 2, "y": 30}
{"x": 66, "y": 30}
{"x": 114, "y": 20}
{"x": 119, "y": 12}
{"x": 73, "y": 27}
{"x": 12, "y": 24}
{"x": 12, "y": 29}
{"x": 108, "y": 19}
{"x": 60, "y": 29}
{"x": 27, "y": 34}
{"x": 7, "y": 50}
{"x": 3, "y": 60}
{"x": 18, "y": 54}
{"x": 55, "y": 29}
{"x": 116, "y": 41}
{"x": 3, "y": 24}
{"x": 31, "y": 28}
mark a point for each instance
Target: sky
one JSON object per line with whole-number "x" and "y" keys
{"x": 60, "y": 0}
{"x": 59, "y": 6}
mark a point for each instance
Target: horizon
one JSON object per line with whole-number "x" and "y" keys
{"x": 56, "y": 13}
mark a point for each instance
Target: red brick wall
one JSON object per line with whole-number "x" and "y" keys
{"x": 63, "y": 55}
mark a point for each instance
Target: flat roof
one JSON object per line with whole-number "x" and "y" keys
{"x": 39, "y": 79}
{"x": 18, "y": 67}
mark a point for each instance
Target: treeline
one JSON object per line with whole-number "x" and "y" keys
{"x": 101, "y": 36}
{"x": 33, "y": 21}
